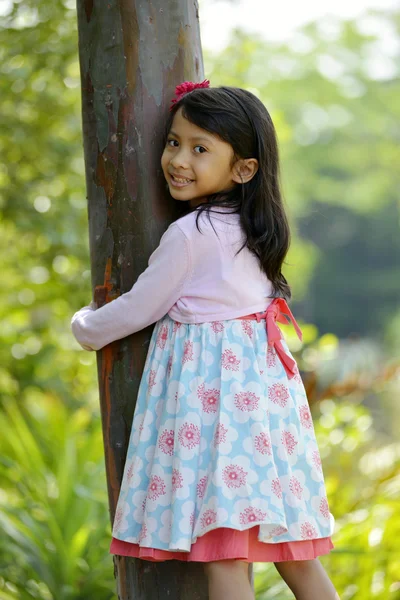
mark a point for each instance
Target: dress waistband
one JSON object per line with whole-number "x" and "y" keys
{"x": 279, "y": 311}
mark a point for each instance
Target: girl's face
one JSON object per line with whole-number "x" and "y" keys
{"x": 196, "y": 163}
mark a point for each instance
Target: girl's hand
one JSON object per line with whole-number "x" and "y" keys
{"x": 81, "y": 314}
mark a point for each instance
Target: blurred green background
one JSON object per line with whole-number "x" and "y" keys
{"x": 338, "y": 124}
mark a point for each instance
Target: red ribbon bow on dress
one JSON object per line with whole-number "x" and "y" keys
{"x": 279, "y": 311}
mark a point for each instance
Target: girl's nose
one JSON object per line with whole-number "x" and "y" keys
{"x": 180, "y": 160}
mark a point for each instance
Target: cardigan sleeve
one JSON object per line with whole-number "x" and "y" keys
{"x": 156, "y": 290}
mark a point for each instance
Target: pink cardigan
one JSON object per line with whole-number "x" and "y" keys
{"x": 195, "y": 277}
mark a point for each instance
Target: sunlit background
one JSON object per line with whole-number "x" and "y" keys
{"x": 329, "y": 74}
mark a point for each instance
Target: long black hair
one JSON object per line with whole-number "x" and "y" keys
{"x": 240, "y": 118}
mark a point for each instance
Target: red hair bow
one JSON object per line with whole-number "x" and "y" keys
{"x": 187, "y": 86}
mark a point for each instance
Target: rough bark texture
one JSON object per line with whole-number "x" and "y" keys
{"x": 132, "y": 54}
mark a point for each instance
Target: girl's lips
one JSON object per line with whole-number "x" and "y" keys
{"x": 180, "y": 182}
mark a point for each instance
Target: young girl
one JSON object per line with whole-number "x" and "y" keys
{"x": 223, "y": 465}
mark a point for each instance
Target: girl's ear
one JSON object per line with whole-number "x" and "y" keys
{"x": 244, "y": 169}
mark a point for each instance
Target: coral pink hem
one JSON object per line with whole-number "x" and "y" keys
{"x": 224, "y": 543}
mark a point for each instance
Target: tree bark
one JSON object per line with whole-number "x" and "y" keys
{"x": 132, "y": 55}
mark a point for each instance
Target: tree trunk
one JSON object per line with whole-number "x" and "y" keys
{"x": 132, "y": 54}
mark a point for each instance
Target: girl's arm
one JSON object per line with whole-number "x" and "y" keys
{"x": 151, "y": 297}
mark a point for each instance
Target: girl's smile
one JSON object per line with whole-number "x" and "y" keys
{"x": 179, "y": 181}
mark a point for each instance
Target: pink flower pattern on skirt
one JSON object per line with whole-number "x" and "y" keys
{"x": 209, "y": 517}
{"x": 246, "y": 401}
{"x": 289, "y": 441}
{"x": 251, "y": 515}
{"x": 324, "y": 508}
{"x": 166, "y": 442}
{"x": 279, "y": 394}
{"x": 176, "y": 480}
{"x": 209, "y": 399}
{"x": 276, "y": 487}
{"x": 230, "y": 361}
{"x": 317, "y": 460}
{"x": 156, "y": 488}
{"x": 217, "y": 326}
{"x": 295, "y": 487}
{"x": 189, "y": 435}
{"x": 262, "y": 443}
{"x": 234, "y": 476}
{"x": 201, "y": 486}
{"x": 271, "y": 357}
{"x": 305, "y": 416}
{"x": 152, "y": 379}
{"x": 247, "y": 328}
{"x": 214, "y": 426}
{"x": 278, "y": 531}
{"x": 130, "y": 472}
{"x": 143, "y": 533}
{"x": 308, "y": 532}
{"x": 187, "y": 352}
{"x": 162, "y": 337}
{"x": 220, "y": 434}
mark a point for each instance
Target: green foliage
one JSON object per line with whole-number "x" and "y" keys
{"x": 53, "y": 506}
{"x": 43, "y": 222}
{"x": 363, "y": 486}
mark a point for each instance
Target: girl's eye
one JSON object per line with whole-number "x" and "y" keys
{"x": 172, "y": 143}
{"x": 200, "y": 150}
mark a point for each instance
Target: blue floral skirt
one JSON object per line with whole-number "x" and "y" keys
{"x": 221, "y": 439}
